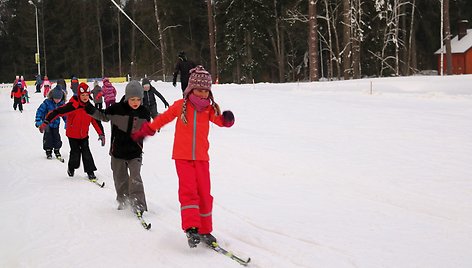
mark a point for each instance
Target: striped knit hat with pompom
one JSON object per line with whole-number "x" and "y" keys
{"x": 199, "y": 78}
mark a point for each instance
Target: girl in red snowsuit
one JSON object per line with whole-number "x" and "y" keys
{"x": 194, "y": 113}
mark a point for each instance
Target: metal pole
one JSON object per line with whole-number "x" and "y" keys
{"x": 37, "y": 57}
{"x": 442, "y": 38}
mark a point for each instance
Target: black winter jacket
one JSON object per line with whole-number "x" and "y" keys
{"x": 149, "y": 98}
{"x": 124, "y": 121}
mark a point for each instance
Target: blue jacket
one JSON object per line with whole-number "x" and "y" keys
{"x": 43, "y": 109}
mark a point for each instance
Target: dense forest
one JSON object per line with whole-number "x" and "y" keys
{"x": 240, "y": 41}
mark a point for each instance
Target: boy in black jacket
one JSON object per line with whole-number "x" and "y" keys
{"x": 126, "y": 117}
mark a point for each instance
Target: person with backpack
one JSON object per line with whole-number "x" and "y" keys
{"x": 17, "y": 94}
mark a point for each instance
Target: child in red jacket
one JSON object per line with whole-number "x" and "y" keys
{"x": 17, "y": 94}
{"x": 190, "y": 152}
{"x": 77, "y": 127}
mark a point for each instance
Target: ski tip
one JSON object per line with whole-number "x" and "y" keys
{"x": 148, "y": 226}
{"x": 102, "y": 185}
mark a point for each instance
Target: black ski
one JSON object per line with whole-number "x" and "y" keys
{"x": 145, "y": 225}
{"x": 101, "y": 185}
{"x": 60, "y": 159}
{"x": 229, "y": 254}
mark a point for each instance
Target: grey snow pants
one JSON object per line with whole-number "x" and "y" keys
{"x": 129, "y": 186}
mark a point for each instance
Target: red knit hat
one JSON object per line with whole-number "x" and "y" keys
{"x": 83, "y": 88}
{"x": 199, "y": 78}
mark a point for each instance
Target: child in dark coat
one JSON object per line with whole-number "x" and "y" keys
{"x": 97, "y": 95}
{"x": 52, "y": 137}
{"x": 126, "y": 116}
{"x": 149, "y": 100}
{"x": 77, "y": 128}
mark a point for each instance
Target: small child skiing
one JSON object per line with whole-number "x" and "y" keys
{"x": 126, "y": 155}
{"x": 74, "y": 85}
{"x": 97, "y": 95}
{"x": 63, "y": 84}
{"x": 38, "y": 83}
{"x": 194, "y": 113}
{"x": 149, "y": 100}
{"x": 109, "y": 92}
{"x": 46, "y": 86}
{"x": 17, "y": 94}
{"x": 52, "y": 137}
{"x": 77, "y": 128}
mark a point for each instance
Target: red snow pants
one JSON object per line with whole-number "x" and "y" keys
{"x": 196, "y": 202}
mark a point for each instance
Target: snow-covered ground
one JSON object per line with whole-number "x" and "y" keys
{"x": 362, "y": 173}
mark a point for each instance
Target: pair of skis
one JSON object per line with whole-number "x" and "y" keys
{"x": 147, "y": 226}
{"x": 215, "y": 246}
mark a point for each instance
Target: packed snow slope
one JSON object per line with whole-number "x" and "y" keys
{"x": 362, "y": 173}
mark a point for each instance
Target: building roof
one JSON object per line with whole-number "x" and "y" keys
{"x": 459, "y": 46}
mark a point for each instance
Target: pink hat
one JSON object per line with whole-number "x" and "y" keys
{"x": 199, "y": 78}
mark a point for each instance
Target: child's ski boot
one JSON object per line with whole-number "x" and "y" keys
{"x": 193, "y": 237}
{"x": 208, "y": 239}
{"x": 49, "y": 153}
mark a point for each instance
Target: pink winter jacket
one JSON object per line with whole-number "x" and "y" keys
{"x": 109, "y": 91}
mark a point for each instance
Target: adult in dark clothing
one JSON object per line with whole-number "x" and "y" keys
{"x": 183, "y": 67}
{"x": 149, "y": 100}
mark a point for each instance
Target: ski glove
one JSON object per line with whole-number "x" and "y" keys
{"x": 228, "y": 118}
{"x": 102, "y": 139}
{"x": 145, "y": 131}
{"x": 89, "y": 108}
{"x": 43, "y": 126}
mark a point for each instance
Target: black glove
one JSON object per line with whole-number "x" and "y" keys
{"x": 228, "y": 118}
{"x": 89, "y": 108}
{"x": 102, "y": 139}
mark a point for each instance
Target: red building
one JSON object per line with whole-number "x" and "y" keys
{"x": 461, "y": 48}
